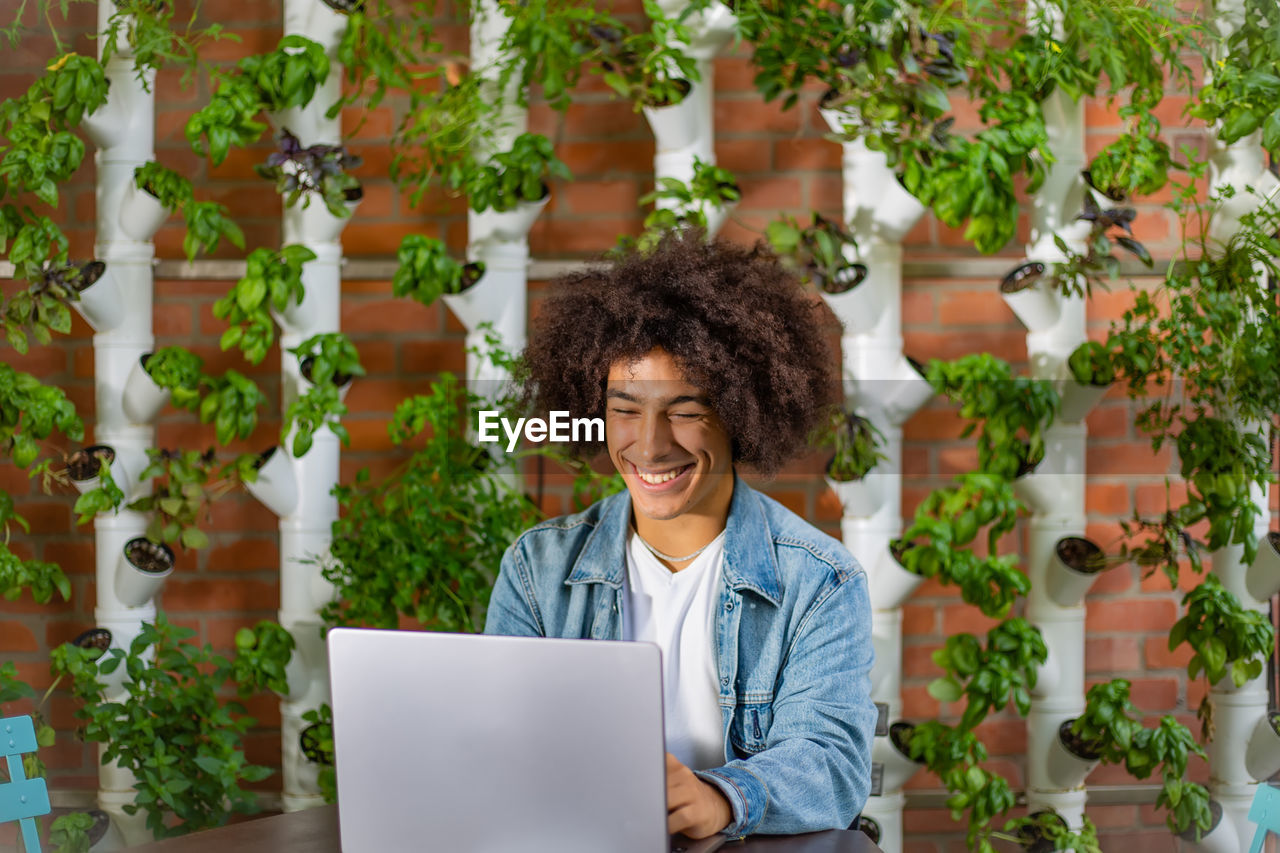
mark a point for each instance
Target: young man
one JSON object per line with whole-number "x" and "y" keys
{"x": 701, "y": 357}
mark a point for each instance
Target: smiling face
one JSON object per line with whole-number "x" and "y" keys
{"x": 669, "y": 445}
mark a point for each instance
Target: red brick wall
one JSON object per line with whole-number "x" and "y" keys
{"x": 785, "y": 166}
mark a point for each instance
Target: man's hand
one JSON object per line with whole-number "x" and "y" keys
{"x": 694, "y": 807}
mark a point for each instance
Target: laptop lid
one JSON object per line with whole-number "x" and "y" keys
{"x": 478, "y": 744}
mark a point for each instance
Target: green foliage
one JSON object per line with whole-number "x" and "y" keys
{"x": 427, "y": 541}
{"x": 948, "y": 520}
{"x": 69, "y": 833}
{"x": 1010, "y": 413}
{"x": 42, "y": 152}
{"x": 39, "y": 578}
{"x": 1079, "y": 272}
{"x": 272, "y": 280}
{"x": 328, "y": 361}
{"x": 174, "y": 733}
{"x": 1109, "y": 729}
{"x": 383, "y": 51}
{"x": 321, "y": 728}
{"x": 229, "y": 119}
{"x": 179, "y": 370}
{"x": 193, "y": 480}
{"x": 426, "y": 271}
{"x": 1227, "y": 639}
{"x": 1134, "y": 164}
{"x": 45, "y": 306}
{"x": 154, "y": 41}
{"x": 855, "y": 442}
{"x": 990, "y": 678}
{"x": 817, "y": 251}
{"x": 207, "y": 221}
{"x": 207, "y": 224}
{"x": 1091, "y": 363}
{"x": 518, "y": 174}
{"x": 436, "y": 140}
{"x": 1243, "y": 90}
{"x": 289, "y": 75}
{"x": 647, "y": 68}
{"x": 106, "y": 497}
{"x": 262, "y": 653}
{"x": 169, "y": 188}
{"x": 317, "y": 170}
{"x": 231, "y": 405}
{"x": 30, "y": 412}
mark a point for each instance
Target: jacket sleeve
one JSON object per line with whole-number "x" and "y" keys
{"x": 513, "y": 610}
{"x": 815, "y": 770}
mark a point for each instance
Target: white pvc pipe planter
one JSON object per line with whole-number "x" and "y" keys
{"x": 123, "y": 131}
{"x": 1238, "y": 712}
{"x": 886, "y": 387}
{"x": 685, "y": 132}
{"x": 1055, "y": 489}
{"x": 298, "y": 490}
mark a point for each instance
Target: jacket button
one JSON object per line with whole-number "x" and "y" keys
{"x": 728, "y": 605}
{"x": 724, "y": 682}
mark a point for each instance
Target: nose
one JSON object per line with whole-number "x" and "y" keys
{"x": 654, "y": 441}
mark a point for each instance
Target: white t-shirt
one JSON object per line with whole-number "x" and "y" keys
{"x": 677, "y": 611}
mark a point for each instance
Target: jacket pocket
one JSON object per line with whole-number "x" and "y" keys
{"x": 749, "y": 732}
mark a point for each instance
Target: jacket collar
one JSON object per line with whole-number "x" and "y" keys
{"x": 749, "y": 559}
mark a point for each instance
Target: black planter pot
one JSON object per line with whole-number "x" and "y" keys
{"x": 1022, "y": 277}
{"x": 84, "y": 464}
{"x": 94, "y": 638}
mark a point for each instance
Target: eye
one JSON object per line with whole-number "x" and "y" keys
{"x": 616, "y": 410}
{"x": 686, "y": 416}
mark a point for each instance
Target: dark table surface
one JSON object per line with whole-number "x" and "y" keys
{"x": 316, "y": 831}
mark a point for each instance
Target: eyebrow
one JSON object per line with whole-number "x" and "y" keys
{"x": 615, "y": 394}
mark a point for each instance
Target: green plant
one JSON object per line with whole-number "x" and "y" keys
{"x": 289, "y": 75}
{"x": 69, "y": 833}
{"x": 107, "y": 496}
{"x": 272, "y": 280}
{"x": 1226, "y": 638}
{"x": 427, "y": 541}
{"x": 948, "y": 520}
{"x": 30, "y": 412}
{"x": 207, "y": 222}
{"x": 262, "y": 653}
{"x": 711, "y": 187}
{"x": 1109, "y": 731}
{"x": 193, "y": 480}
{"x": 1078, "y": 273}
{"x": 1241, "y": 94}
{"x": 647, "y": 68}
{"x": 1010, "y": 413}
{"x": 990, "y": 678}
{"x": 518, "y": 174}
{"x": 179, "y": 370}
{"x": 17, "y": 576}
{"x": 855, "y": 442}
{"x": 1220, "y": 462}
{"x": 1135, "y": 164}
{"x": 229, "y": 119}
{"x": 167, "y": 186}
{"x": 45, "y": 306}
{"x": 42, "y": 152}
{"x": 178, "y": 737}
{"x": 317, "y": 170}
{"x": 328, "y": 361}
{"x": 231, "y": 405}
{"x": 816, "y": 250}
{"x": 1092, "y": 363}
{"x": 321, "y": 720}
{"x": 425, "y": 270}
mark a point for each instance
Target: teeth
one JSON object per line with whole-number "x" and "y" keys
{"x": 655, "y": 479}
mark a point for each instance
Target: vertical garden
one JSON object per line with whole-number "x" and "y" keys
{"x": 262, "y": 263}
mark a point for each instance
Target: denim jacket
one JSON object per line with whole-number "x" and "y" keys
{"x": 793, "y": 646}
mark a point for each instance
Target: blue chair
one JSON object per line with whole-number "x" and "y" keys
{"x": 21, "y": 799}
{"x": 1265, "y": 812}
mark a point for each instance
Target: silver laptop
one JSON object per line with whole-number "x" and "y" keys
{"x": 476, "y": 744}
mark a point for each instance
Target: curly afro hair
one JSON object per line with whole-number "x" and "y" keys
{"x": 739, "y": 325}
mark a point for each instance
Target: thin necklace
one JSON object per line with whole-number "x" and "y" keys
{"x": 670, "y": 559}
